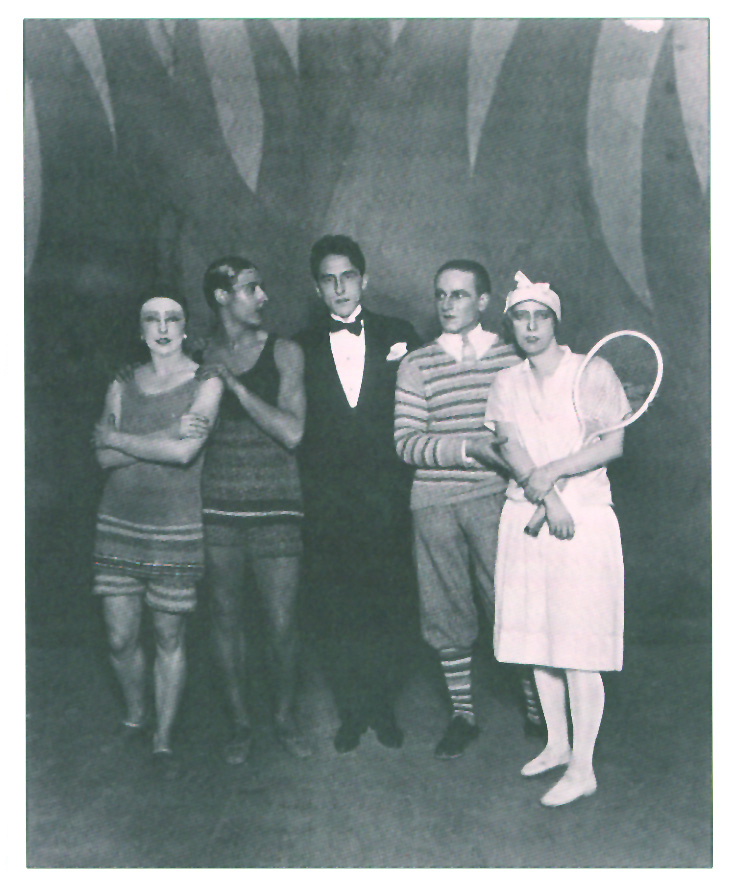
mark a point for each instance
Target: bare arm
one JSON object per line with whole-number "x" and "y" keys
{"x": 589, "y": 457}
{"x": 513, "y": 451}
{"x": 561, "y": 524}
{"x": 285, "y": 422}
{"x": 166, "y": 446}
{"x": 109, "y": 458}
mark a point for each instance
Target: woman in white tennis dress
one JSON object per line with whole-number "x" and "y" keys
{"x": 559, "y": 596}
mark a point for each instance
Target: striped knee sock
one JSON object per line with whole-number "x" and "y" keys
{"x": 533, "y": 711}
{"x": 456, "y": 668}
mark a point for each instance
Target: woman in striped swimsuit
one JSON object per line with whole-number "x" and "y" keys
{"x": 149, "y": 543}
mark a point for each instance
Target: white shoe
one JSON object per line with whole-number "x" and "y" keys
{"x": 569, "y": 789}
{"x": 545, "y": 761}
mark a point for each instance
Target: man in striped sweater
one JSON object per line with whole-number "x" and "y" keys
{"x": 459, "y": 489}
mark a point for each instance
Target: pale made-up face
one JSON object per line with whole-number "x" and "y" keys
{"x": 163, "y": 325}
{"x": 458, "y": 304}
{"x": 247, "y": 298}
{"x": 340, "y": 285}
{"x": 533, "y": 327}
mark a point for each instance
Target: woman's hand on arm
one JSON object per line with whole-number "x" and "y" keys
{"x": 539, "y": 483}
{"x": 167, "y": 446}
{"x": 192, "y": 426}
{"x": 589, "y": 457}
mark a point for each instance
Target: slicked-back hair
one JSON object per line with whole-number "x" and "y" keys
{"x": 481, "y": 279}
{"x": 222, "y": 274}
{"x": 340, "y": 246}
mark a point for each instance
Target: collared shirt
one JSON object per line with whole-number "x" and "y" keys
{"x": 481, "y": 340}
{"x": 349, "y": 355}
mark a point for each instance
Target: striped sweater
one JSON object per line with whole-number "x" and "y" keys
{"x": 440, "y": 402}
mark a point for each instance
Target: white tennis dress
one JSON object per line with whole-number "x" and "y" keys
{"x": 558, "y": 603}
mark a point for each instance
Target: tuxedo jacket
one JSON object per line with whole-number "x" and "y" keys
{"x": 351, "y": 474}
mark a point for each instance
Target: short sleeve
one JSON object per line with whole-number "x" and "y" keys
{"x": 601, "y": 399}
{"x": 498, "y": 404}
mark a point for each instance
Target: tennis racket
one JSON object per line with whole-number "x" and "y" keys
{"x": 634, "y": 359}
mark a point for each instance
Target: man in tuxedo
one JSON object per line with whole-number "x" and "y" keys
{"x": 356, "y": 495}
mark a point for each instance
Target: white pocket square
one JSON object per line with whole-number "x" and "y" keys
{"x": 397, "y": 351}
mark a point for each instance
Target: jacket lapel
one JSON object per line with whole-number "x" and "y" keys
{"x": 328, "y": 373}
{"x": 373, "y": 359}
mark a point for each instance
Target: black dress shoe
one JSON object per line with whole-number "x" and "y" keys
{"x": 348, "y": 737}
{"x": 458, "y": 735}
{"x": 388, "y": 732}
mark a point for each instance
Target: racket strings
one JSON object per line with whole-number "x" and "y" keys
{"x": 616, "y": 383}
{"x": 598, "y": 397}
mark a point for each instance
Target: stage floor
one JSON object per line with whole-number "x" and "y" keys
{"x": 91, "y": 804}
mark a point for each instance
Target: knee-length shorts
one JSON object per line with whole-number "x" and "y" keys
{"x": 450, "y": 540}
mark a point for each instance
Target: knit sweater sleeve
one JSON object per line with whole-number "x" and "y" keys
{"x": 415, "y": 443}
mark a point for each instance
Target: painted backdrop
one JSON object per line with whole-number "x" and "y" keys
{"x": 574, "y": 150}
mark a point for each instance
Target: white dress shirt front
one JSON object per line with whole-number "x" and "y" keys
{"x": 349, "y": 355}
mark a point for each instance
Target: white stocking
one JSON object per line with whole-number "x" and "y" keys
{"x": 586, "y": 701}
{"x": 550, "y": 684}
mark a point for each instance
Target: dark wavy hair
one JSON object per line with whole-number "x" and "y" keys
{"x": 221, "y": 275}
{"x": 341, "y": 246}
{"x": 481, "y": 279}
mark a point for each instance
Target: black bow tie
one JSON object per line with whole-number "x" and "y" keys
{"x": 354, "y": 327}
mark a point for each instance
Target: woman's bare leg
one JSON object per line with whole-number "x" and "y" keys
{"x": 122, "y": 616}
{"x": 169, "y": 673}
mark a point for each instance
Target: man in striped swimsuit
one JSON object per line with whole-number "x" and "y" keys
{"x": 458, "y": 490}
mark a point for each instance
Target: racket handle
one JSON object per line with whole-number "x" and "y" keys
{"x": 533, "y": 527}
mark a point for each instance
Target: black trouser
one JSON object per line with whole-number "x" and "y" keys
{"x": 361, "y": 608}
{"x": 365, "y": 675}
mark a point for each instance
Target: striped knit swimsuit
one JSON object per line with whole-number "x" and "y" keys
{"x": 149, "y": 520}
{"x": 248, "y": 477}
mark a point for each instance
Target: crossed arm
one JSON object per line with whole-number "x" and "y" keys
{"x": 117, "y": 449}
{"x": 542, "y": 484}
{"x": 541, "y": 480}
